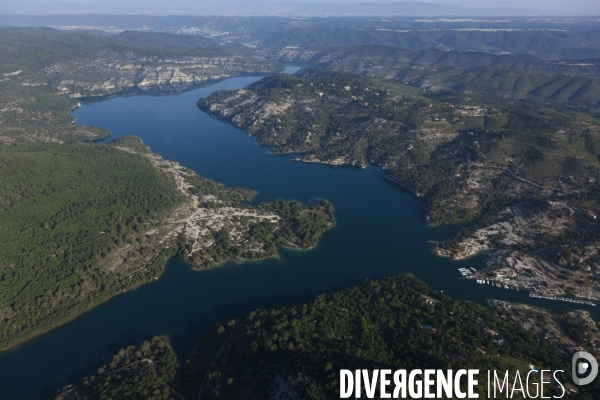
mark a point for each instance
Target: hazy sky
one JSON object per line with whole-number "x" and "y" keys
{"x": 581, "y": 7}
{"x": 590, "y": 6}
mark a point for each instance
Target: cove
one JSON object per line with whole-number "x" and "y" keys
{"x": 380, "y": 231}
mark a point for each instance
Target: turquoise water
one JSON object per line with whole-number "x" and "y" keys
{"x": 380, "y": 232}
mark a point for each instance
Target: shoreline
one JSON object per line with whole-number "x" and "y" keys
{"x": 151, "y": 90}
{"x": 157, "y": 160}
{"x": 59, "y": 325}
{"x": 435, "y": 248}
{"x": 237, "y": 261}
{"x": 451, "y": 255}
{"x": 403, "y": 185}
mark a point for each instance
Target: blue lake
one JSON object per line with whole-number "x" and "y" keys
{"x": 380, "y": 231}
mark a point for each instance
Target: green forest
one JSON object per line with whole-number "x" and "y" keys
{"x": 84, "y": 222}
{"x": 79, "y": 220}
{"x": 140, "y": 373}
{"x": 299, "y": 227}
{"x": 64, "y": 210}
{"x": 35, "y": 49}
{"x": 395, "y": 323}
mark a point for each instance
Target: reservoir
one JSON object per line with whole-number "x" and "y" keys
{"x": 380, "y": 232}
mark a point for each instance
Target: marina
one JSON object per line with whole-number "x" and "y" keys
{"x": 576, "y": 301}
{"x": 496, "y": 284}
{"x": 537, "y": 296}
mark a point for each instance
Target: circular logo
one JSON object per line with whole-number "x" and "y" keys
{"x": 581, "y": 368}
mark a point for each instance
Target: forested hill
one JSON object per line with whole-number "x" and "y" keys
{"x": 547, "y": 43}
{"x": 473, "y": 159}
{"x": 339, "y": 118}
{"x": 41, "y": 47}
{"x": 552, "y": 82}
{"x": 389, "y": 58}
{"x": 395, "y": 323}
{"x": 81, "y": 65}
{"x": 82, "y": 222}
{"x": 68, "y": 213}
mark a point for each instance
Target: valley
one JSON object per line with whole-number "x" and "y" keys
{"x": 569, "y": 84}
{"x": 402, "y": 146}
{"x": 517, "y": 175}
{"x": 141, "y": 209}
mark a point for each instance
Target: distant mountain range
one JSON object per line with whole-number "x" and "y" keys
{"x": 266, "y": 8}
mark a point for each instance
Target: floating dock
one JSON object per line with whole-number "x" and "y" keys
{"x": 568, "y": 300}
{"x": 537, "y": 296}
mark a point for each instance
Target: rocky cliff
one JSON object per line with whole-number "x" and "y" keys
{"x": 113, "y": 72}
